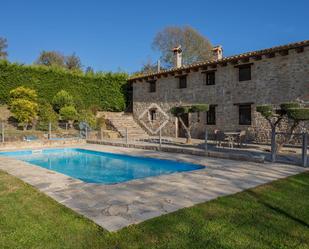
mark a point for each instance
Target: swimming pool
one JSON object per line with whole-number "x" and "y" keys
{"x": 100, "y": 167}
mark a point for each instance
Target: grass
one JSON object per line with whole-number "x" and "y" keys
{"x": 275, "y": 215}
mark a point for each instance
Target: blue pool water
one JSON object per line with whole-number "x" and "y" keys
{"x": 100, "y": 167}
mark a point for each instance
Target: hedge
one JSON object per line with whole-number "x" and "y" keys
{"x": 106, "y": 90}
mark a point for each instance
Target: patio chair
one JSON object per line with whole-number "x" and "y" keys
{"x": 241, "y": 137}
{"x": 230, "y": 140}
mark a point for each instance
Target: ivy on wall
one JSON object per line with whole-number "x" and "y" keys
{"x": 104, "y": 90}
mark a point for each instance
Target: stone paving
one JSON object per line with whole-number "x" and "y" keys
{"x": 116, "y": 206}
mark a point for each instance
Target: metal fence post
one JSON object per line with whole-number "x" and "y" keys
{"x": 127, "y": 136}
{"x": 206, "y": 140}
{"x": 2, "y": 132}
{"x": 304, "y": 149}
{"x": 273, "y": 144}
{"x": 86, "y": 132}
{"x": 160, "y": 139}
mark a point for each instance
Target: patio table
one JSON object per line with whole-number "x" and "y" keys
{"x": 231, "y": 137}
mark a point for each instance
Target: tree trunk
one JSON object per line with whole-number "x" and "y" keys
{"x": 273, "y": 143}
{"x": 187, "y": 129}
{"x": 286, "y": 139}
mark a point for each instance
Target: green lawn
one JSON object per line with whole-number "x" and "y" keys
{"x": 271, "y": 216}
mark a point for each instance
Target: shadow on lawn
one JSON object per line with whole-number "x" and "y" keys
{"x": 277, "y": 209}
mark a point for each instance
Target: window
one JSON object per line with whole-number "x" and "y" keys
{"x": 210, "y": 78}
{"x": 244, "y": 72}
{"x": 152, "y": 86}
{"x": 245, "y": 114}
{"x": 211, "y": 115}
{"x": 152, "y": 114}
{"x": 183, "y": 81}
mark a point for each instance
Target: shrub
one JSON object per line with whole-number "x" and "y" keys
{"x": 25, "y": 111}
{"x": 88, "y": 117}
{"x": 62, "y": 99}
{"x": 68, "y": 114}
{"x": 47, "y": 115}
{"x": 23, "y": 105}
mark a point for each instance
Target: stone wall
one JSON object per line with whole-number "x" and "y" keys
{"x": 40, "y": 144}
{"x": 274, "y": 80}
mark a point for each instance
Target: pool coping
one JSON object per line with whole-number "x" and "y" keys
{"x": 118, "y": 205}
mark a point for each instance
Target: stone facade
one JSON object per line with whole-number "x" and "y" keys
{"x": 277, "y": 76}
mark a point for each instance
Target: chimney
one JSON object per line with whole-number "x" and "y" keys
{"x": 178, "y": 56}
{"x": 217, "y": 52}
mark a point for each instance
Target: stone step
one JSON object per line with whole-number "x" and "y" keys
{"x": 125, "y": 123}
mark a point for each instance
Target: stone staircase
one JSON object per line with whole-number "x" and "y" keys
{"x": 122, "y": 121}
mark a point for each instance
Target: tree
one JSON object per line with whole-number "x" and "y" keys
{"x": 3, "y": 47}
{"x": 73, "y": 62}
{"x": 148, "y": 67}
{"x": 179, "y": 111}
{"x": 68, "y": 114}
{"x": 195, "y": 46}
{"x": 292, "y": 112}
{"x": 23, "y": 105}
{"x": 62, "y": 99}
{"x": 51, "y": 58}
{"x": 46, "y": 115}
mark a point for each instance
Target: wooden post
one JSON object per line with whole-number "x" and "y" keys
{"x": 273, "y": 144}
{"x": 2, "y": 132}
{"x": 304, "y": 149}
{"x": 49, "y": 130}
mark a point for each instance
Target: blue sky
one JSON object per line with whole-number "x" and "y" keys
{"x": 117, "y": 35}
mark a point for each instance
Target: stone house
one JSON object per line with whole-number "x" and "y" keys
{"x": 232, "y": 86}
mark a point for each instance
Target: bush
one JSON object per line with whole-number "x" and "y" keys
{"x": 105, "y": 90}
{"x": 68, "y": 113}
{"x": 23, "y": 105}
{"x": 88, "y": 117}
{"x": 47, "y": 115}
{"x": 25, "y": 111}
{"x": 62, "y": 99}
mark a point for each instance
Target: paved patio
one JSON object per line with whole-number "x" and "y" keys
{"x": 116, "y": 206}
